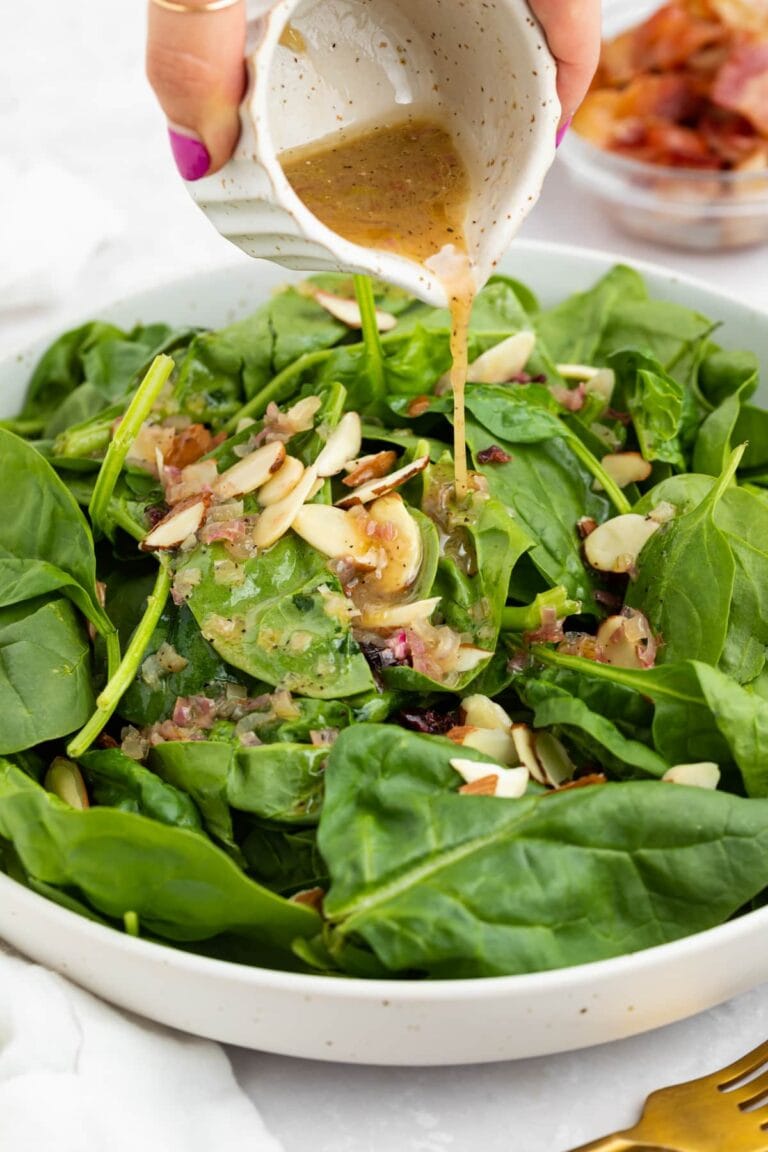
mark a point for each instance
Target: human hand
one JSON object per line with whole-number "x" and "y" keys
{"x": 573, "y": 30}
{"x": 196, "y": 65}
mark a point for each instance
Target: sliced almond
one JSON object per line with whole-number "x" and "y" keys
{"x": 331, "y": 531}
{"x": 404, "y": 548}
{"x": 663, "y": 512}
{"x": 342, "y": 445}
{"x": 348, "y": 311}
{"x": 369, "y": 468}
{"x": 625, "y": 468}
{"x": 511, "y": 783}
{"x": 555, "y": 762}
{"x": 615, "y": 545}
{"x": 383, "y": 485}
{"x": 615, "y": 647}
{"x": 703, "y": 775}
{"x": 601, "y": 385}
{"x": 577, "y": 371}
{"x": 397, "y": 615}
{"x": 275, "y": 520}
{"x": 468, "y": 657}
{"x": 522, "y": 737}
{"x": 504, "y": 361}
{"x": 65, "y": 780}
{"x": 485, "y": 786}
{"x": 251, "y": 472}
{"x": 185, "y": 519}
{"x": 482, "y": 712}
{"x": 492, "y": 742}
{"x": 282, "y": 482}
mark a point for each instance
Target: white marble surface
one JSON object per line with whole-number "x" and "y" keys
{"x": 72, "y": 93}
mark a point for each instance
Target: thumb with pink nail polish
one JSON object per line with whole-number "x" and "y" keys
{"x": 196, "y": 66}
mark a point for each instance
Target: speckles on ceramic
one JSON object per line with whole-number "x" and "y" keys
{"x": 486, "y": 74}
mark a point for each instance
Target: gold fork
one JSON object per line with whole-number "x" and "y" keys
{"x": 722, "y": 1112}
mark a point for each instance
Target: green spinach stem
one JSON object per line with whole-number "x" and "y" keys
{"x": 129, "y": 666}
{"x": 529, "y": 617}
{"x": 593, "y": 466}
{"x": 374, "y": 355}
{"x": 278, "y": 389}
{"x": 137, "y": 412}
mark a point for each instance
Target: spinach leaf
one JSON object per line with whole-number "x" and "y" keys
{"x": 548, "y": 492}
{"x": 700, "y": 713}
{"x": 179, "y": 885}
{"x": 673, "y": 335}
{"x": 752, "y": 429}
{"x": 275, "y": 624}
{"x": 117, "y": 781}
{"x": 201, "y": 768}
{"x": 573, "y": 330}
{"x": 45, "y": 675}
{"x": 284, "y": 860}
{"x": 599, "y": 738}
{"x": 45, "y": 541}
{"x": 153, "y": 693}
{"x": 282, "y": 783}
{"x": 743, "y": 519}
{"x": 724, "y": 373}
{"x": 691, "y": 614}
{"x": 451, "y": 885}
{"x": 654, "y": 400}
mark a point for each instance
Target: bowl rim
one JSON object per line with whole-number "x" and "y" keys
{"x": 481, "y": 988}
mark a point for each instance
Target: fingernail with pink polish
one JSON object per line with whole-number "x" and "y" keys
{"x": 562, "y": 131}
{"x": 190, "y": 154}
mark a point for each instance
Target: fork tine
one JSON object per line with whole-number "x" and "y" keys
{"x": 752, "y": 1094}
{"x": 740, "y": 1068}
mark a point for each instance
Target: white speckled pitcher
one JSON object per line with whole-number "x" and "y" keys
{"x": 480, "y": 67}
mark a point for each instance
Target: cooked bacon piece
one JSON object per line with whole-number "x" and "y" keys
{"x": 741, "y": 84}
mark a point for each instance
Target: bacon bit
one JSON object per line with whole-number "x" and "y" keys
{"x": 104, "y": 740}
{"x": 550, "y": 631}
{"x": 524, "y": 378}
{"x": 370, "y": 468}
{"x": 485, "y": 786}
{"x": 741, "y": 85}
{"x": 418, "y": 406}
{"x": 311, "y": 898}
{"x": 582, "y": 782}
{"x": 586, "y": 526}
{"x": 570, "y": 398}
{"x": 188, "y": 446}
{"x": 197, "y": 712}
{"x": 493, "y": 455}
{"x": 233, "y": 531}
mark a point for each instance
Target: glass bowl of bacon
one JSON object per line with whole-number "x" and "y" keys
{"x": 672, "y": 137}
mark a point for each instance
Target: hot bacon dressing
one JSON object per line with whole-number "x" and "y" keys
{"x": 401, "y": 188}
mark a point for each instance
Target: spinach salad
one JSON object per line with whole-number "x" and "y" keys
{"x": 269, "y": 693}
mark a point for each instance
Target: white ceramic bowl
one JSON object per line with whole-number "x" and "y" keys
{"x": 396, "y": 1022}
{"x": 488, "y": 76}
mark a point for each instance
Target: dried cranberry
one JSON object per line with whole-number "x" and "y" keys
{"x": 493, "y": 455}
{"x": 428, "y": 720}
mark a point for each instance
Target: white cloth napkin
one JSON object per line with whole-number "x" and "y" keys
{"x": 79, "y": 1076}
{"x": 51, "y": 223}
